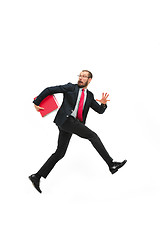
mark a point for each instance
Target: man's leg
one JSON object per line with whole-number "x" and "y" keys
{"x": 73, "y": 125}
{"x": 63, "y": 141}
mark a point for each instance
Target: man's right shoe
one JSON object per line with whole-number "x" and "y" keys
{"x": 116, "y": 165}
{"x": 35, "y": 181}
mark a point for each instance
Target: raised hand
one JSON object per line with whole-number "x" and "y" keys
{"x": 104, "y": 99}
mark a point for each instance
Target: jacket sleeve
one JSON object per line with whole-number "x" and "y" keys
{"x": 99, "y": 108}
{"x": 52, "y": 90}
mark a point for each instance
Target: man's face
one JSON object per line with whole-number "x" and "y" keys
{"x": 83, "y": 80}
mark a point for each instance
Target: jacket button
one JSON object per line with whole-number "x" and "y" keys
{"x": 67, "y": 116}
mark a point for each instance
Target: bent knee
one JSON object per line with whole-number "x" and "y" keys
{"x": 93, "y": 136}
{"x": 60, "y": 154}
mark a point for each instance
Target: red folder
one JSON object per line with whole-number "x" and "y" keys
{"x": 49, "y": 104}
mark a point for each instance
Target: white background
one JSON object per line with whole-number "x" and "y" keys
{"x": 47, "y": 43}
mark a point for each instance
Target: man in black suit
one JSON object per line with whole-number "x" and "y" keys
{"x": 70, "y": 119}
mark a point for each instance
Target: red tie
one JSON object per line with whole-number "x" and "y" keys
{"x": 80, "y": 108}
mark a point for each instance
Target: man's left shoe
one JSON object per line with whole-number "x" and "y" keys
{"x": 116, "y": 165}
{"x": 35, "y": 181}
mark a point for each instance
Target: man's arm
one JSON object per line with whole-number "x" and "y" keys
{"x": 100, "y": 108}
{"x": 50, "y": 91}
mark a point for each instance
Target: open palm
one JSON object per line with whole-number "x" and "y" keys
{"x": 104, "y": 99}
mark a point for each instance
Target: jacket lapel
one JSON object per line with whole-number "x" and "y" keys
{"x": 87, "y": 101}
{"x": 76, "y": 91}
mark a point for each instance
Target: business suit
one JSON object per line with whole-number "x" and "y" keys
{"x": 70, "y": 93}
{"x": 69, "y": 125}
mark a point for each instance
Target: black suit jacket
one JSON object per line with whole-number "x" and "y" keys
{"x": 70, "y": 94}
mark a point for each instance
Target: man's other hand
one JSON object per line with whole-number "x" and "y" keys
{"x": 38, "y": 108}
{"x": 104, "y": 99}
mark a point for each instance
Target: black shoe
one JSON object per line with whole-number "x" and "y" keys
{"x": 116, "y": 165}
{"x": 35, "y": 181}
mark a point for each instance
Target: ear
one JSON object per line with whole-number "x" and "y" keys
{"x": 89, "y": 79}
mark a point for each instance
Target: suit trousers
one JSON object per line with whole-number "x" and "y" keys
{"x": 69, "y": 127}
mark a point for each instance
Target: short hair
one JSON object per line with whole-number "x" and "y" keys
{"x": 90, "y": 75}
